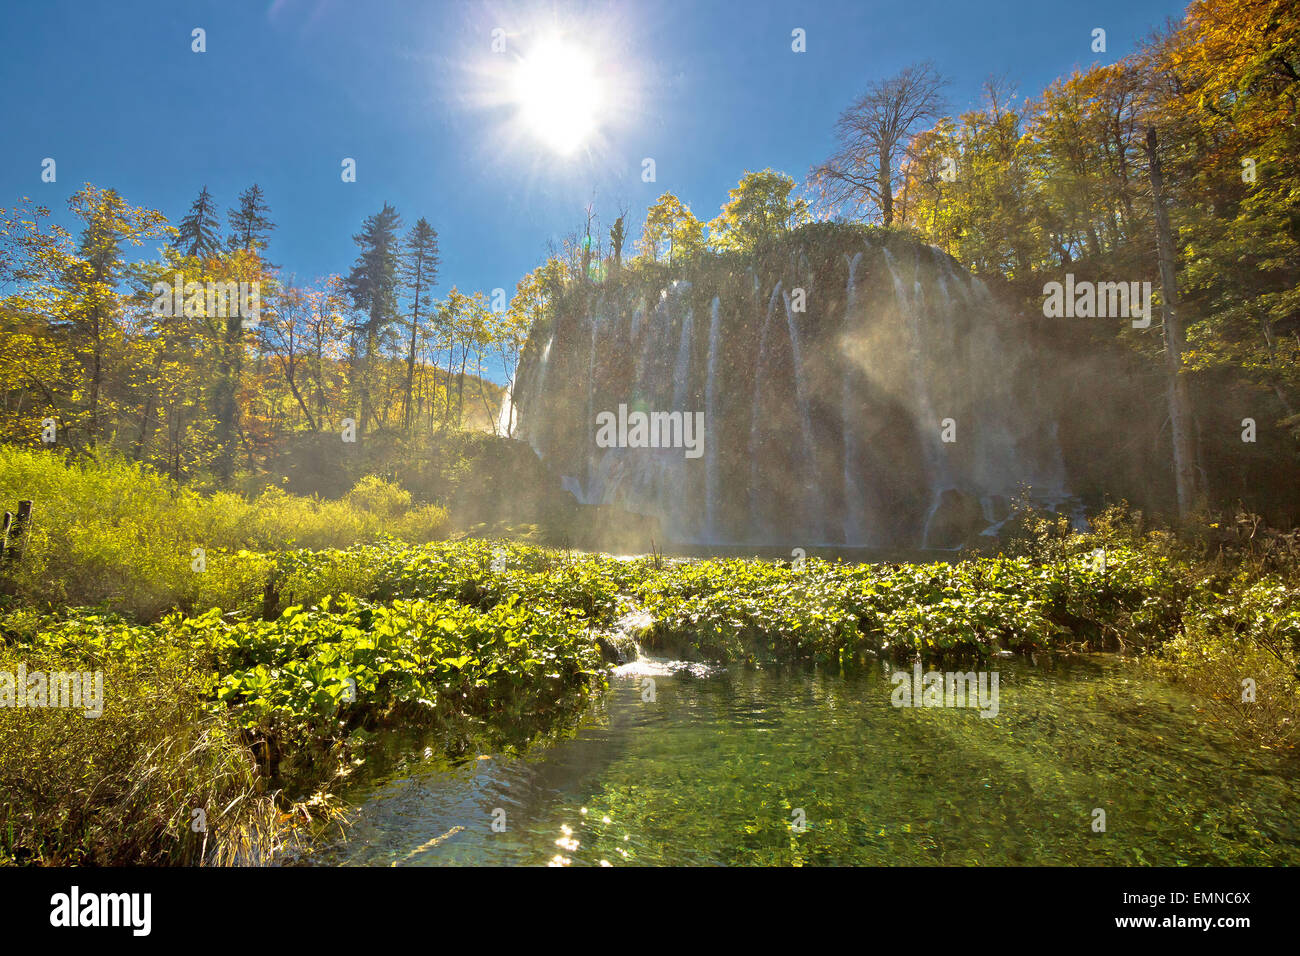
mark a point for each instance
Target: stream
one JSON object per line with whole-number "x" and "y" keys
{"x": 794, "y": 766}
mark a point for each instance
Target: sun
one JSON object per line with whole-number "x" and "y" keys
{"x": 558, "y": 93}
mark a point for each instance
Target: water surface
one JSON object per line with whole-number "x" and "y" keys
{"x": 713, "y": 770}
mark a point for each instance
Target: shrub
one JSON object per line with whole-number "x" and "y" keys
{"x": 379, "y": 497}
{"x": 121, "y": 788}
{"x": 113, "y": 533}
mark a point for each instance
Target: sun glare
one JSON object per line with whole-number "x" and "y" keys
{"x": 558, "y": 94}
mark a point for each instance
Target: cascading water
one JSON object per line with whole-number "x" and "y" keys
{"x": 682, "y": 368}
{"x": 813, "y": 497}
{"x": 756, "y": 410}
{"x": 827, "y": 434}
{"x": 711, "y": 415}
{"x": 853, "y": 530}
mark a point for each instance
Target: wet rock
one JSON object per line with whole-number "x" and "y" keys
{"x": 958, "y": 518}
{"x": 616, "y": 648}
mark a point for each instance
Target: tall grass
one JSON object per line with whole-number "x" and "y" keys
{"x": 110, "y": 532}
{"x": 122, "y": 787}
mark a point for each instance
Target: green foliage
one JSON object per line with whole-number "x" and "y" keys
{"x": 225, "y": 709}
{"x": 121, "y": 788}
{"x": 757, "y": 211}
{"x": 114, "y": 533}
{"x": 313, "y": 673}
{"x": 377, "y": 496}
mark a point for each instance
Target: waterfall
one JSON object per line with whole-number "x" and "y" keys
{"x": 918, "y": 341}
{"x": 928, "y": 424}
{"x": 535, "y": 391}
{"x": 814, "y": 499}
{"x": 506, "y": 417}
{"x": 853, "y": 533}
{"x": 712, "y": 432}
{"x": 682, "y": 369}
{"x": 591, "y": 407}
{"x": 756, "y": 407}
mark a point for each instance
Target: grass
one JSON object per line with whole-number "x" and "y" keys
{"x": 116, "y": 534}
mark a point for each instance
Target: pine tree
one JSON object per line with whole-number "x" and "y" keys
{"x": 197, "y": 235}
{"x": 372, "y": 286}
{"x": 420, "y": 272}
{"x": 250, "y": 224}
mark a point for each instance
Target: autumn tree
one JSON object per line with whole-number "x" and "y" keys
{"x": 671, "y": 230}
{"x": 84, "y": 294}
{"x": 873, "y": 134}
{"x": 758, "y": 210}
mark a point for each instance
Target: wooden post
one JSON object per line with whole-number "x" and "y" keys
{"x": 4, "y": 536}
{"x": 16, "y": 532}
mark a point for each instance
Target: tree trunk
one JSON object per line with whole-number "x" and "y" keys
{"x": 225, "y": 397}
{"x": 410, "y": 358}
{"x": 1181, "y": 423}
{"x": 884, "y": 182}
{"x": 460, "y": 390}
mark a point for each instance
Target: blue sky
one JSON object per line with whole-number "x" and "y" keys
{"x": 414, "y": 93}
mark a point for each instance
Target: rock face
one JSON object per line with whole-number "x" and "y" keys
{"x": 957, "y": 517}
{"x": 856, "y": 388}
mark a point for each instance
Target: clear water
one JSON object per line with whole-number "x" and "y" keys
{"x": 713, "y": 770}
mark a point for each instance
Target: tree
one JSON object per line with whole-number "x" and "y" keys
{"x": 466, "y": 319}
{"x": 528, "y": 309}
{"x": 197, "y": 235}
{"x": 420, "y": 271}
{"x": 1181, "y": 423}
{"x": 670, "y": 225}
{"x": 759, "y": 209}
{"x": 286, "y": 339}
{"x": 86, "y": 298}
{"x": 231, "y": 333}
{"x": 872, "y": 134}
{"x": 250, "y": 224}
{"x": 1228, "y": 85}
{"x": 372, "y": 285}
{"x": 587, "y": 245}
{"x": 617, "y": 236}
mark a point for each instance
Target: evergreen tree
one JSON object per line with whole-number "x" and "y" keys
{"x": 197, "y": 235}
{"x": 420, "y": 272}
{"x": 250, "y": 224}
{"x": 372, "y": 285}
